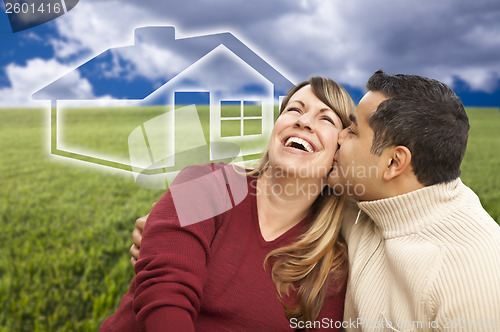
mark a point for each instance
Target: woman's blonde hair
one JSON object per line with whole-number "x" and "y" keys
{"x": 320, "y": 253}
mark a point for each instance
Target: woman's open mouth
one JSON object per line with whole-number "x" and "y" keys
{"x": 299, "y": 143}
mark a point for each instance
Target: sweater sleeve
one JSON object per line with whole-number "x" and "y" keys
{"x": 171, "y": 270}
{"x": 465, "y": 293}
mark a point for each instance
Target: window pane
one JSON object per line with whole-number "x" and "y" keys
{"x": 252, "y": 127}
{"x": 230, "y": 128}
{"x": 252, "y": 108}
{"x": 230, "y": 108}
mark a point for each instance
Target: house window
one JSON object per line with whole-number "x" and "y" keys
{"x": 240, "y": 118}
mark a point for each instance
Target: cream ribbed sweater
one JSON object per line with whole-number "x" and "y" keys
{"x": 428, "y": 260}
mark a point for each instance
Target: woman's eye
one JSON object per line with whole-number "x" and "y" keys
{"x": 293, "y": 109}
{"x": 328, "y": 119}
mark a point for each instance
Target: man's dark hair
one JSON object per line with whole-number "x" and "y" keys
{"x": 427, "y": 117}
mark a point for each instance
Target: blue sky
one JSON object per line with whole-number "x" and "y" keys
{"x": 455, "y": 41}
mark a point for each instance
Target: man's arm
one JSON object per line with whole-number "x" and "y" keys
{"x": 465, "y": 293}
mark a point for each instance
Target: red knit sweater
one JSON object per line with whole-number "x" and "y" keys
{"x": 208, "y": 276}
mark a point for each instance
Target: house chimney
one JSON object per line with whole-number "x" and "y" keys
{"x": 154, "y": 35}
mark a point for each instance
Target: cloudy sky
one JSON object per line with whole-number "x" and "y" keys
{"x": 456, "y": 41}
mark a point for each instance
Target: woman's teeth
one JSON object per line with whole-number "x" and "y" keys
{"x": 299, "y": 143}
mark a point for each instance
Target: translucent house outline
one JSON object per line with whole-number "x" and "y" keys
{"x": 199, "y": 48}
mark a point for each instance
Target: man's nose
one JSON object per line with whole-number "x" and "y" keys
{"x": 342, "y": 136}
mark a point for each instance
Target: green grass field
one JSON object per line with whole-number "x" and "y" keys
{"x": 66, "y": 227}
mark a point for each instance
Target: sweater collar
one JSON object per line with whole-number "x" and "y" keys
{"x": 409, "y": 213}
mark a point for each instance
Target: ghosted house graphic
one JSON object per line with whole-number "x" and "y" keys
{"x": 231, "y": 92}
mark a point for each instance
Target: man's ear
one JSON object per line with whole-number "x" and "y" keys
{"x": 398, "y": 161}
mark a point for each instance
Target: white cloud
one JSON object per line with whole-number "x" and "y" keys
{"x": 350, "y": 40}
{"x": 92, "y": 28}
{"x": 480, "y": 79}
{"x": 347, "y": 40}
{"x": 147, "y": 60}
{"x": 25, "y": 80}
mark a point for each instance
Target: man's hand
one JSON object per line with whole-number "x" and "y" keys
{"x": 137, "y": 237}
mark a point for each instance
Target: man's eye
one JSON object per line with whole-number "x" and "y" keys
{"x": 350, "y": 131}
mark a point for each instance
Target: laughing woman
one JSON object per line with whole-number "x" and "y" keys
{"x": 274, "y": 259}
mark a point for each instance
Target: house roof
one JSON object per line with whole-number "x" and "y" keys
{"x": 99, "y": 70}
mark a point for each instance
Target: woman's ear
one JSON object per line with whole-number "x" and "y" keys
{"x": 398, "y": 161}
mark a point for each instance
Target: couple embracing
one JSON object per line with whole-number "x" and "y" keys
{"x": 388, "y": 239}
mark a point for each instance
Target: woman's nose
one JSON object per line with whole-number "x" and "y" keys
{"x": 305, "y": 121}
